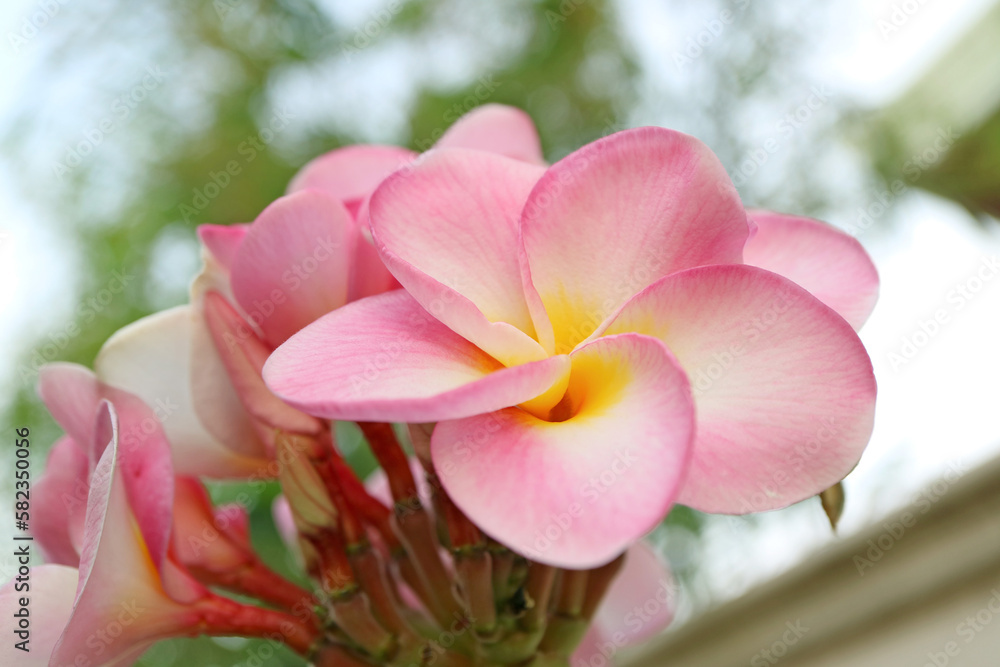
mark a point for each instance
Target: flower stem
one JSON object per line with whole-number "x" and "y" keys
{"x": 364, "y": 562}
{"x": 598, "y": 582}
{"x": 412, "y": 523}
{"x": 258, "y": 581}
{"x": 386, "y": 448}
{"x": 347, "y": 603}
{"x": 222, "y": 617}
{"x": 333, "y": 655}
{"x": 503, "y": 564}
{"x": 474, "y": 568}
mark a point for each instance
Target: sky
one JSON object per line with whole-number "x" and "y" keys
{"x": 932, "y": 337}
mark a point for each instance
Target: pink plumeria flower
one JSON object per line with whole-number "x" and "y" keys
{"x": 73, "y": 393}
{"x": 114, "y": 585}
{"x": 211, "y": 542}
{"x": 305, "y": 255}
{"x": 593, "y": 346}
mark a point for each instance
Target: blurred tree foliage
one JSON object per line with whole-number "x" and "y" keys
{"x": 133, "y": 204}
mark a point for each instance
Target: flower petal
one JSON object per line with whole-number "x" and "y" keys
{"x": 576, "y": 493}
{"x": 645, "y": 583}
{"x": 71, "y": 393}
{"x": 368, "y": 274}
{"x": 829, "y": 263}
{"x": 293, "y": 264}
{"x": 223, "y": 242}
{"x": 197, "y": 540}
{"x": 60, "y": 502}
{"x": 496, "y": 128}
{"x": 145, "y": 450}
{"x": 351, "y": 173}
{"x": 616, "y": 215}
{"x": 53, "y": 588}
{"x": 216, "y": 402}
{"x": 784, "y": 389}
{"x": 281, "y": 512}
{"x": 153, "y": 359}
{"x": 118, "y": 578}
{"x": 385, "y": 358}
{"x": 447, "y": 229}
{"x": 243, "y": 355}
{"x": 143, "y": 463}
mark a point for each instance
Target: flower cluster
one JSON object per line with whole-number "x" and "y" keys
{"x": 566, "y": 351}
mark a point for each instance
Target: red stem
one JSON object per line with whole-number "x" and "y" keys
{"x": 222, "y": 617}
{"x": 386, "y": 448}
{"x": 258, "y": 581}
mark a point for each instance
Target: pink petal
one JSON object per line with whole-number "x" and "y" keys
{"x": 53, "y": 589}
{"x": 223, "y": 242}
{"x": 281, "y": 512}
{"x": 496, "y": 128}
{"x": 829, "y": 263}
{"x": 577, "y": 493}
{"x": 641, "y": 600}
{"x": 234, "y": 520}
{"x": 145, "y": 450}
{"x": 243, "y": 356}
{"x": 59, "y": 503}
{"x": 784, "y": 389}
{"x": 196, "y": 538}
{"x": 447, "y": 229}
{"x": 71, "y": 393}
{"x": 143, "y": 465}
{"x": 368, "y": 274}
{"x": 292, "y": 266}
{"x": 119, "y": 581}
{"x": 638, "y": 605}
{"x": 153, "y": 359}
{"x": 616, "y": 215}
{"x": 385, "y": 358}
{"x": 217, "y": 405}
{"x": 352, "y": 173}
